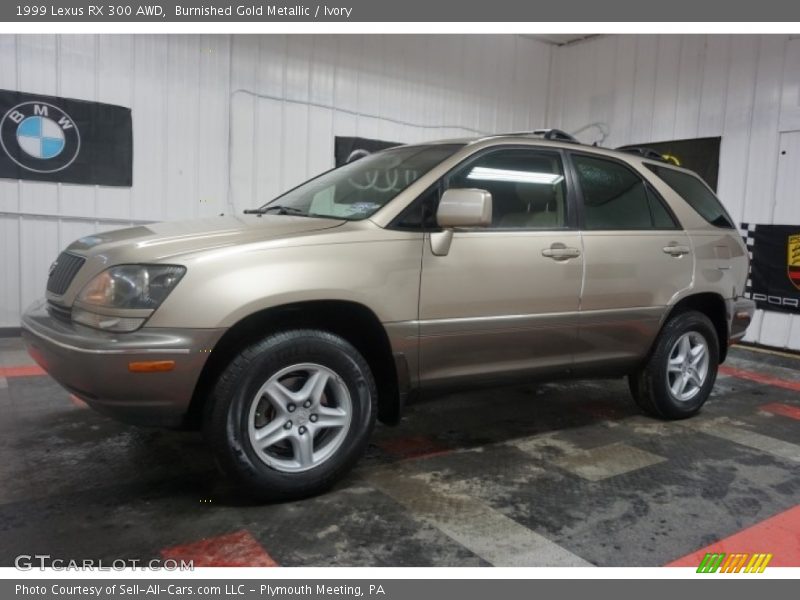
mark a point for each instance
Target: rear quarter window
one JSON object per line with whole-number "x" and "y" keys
{"x": 696, "y": 194}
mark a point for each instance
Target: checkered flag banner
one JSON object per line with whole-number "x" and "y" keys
{"x": 748, "y": 234}
{"x": 774, "y": 277}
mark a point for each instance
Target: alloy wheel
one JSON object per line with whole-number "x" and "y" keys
{"x": 687, "y": 367}
{"x": 300, "y": 417}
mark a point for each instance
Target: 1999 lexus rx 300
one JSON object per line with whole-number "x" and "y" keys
{"x": 287, "y": 331}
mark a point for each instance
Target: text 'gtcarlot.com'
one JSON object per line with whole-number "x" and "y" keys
{"x": 28, "y": 562}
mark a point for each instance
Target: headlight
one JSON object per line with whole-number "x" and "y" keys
{"x": 122, "y": 298}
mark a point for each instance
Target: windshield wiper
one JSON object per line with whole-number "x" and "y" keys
{"x": 281, "y": 210}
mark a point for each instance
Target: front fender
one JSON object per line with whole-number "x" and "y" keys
{"x": 220, "y": 289}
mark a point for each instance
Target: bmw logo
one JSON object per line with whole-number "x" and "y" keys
{"x": 40, "y": 137}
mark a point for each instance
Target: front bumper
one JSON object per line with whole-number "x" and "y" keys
{"x": 94, "y": 365}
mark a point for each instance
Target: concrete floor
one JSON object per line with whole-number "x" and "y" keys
{"x": 552, "y": 474}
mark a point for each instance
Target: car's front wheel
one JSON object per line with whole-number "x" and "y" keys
{"x": 292, "y": 413}
{"x": 677, "y": 378}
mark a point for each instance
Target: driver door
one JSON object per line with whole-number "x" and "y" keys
{"x": 504, "y": 300}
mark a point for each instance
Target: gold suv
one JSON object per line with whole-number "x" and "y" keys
{"x": 285, "y": 332}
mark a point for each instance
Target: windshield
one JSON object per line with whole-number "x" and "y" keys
{"x": 358, "y": 189}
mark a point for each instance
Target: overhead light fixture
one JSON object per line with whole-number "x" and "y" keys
{"x": 489, "y": 174}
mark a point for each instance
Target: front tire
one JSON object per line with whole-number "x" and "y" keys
{"x": 677, "y": 378}
{"x": 292, "y": 414}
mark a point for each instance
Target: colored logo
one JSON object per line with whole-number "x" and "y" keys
{"x": 793, "y": 259}
{"x": 719, "y": 562}
{"x": 39, "y": 137}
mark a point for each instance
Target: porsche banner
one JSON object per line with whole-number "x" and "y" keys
{"x": 774, "y": 280}
{"x": 47, "y": 138}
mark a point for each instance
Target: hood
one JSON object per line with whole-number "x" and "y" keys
{"x": 158, "y": 241}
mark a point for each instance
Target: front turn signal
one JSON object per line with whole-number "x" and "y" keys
{"x": 151, "y": 366}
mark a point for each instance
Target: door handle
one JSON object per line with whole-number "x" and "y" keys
{"x": 676, "y": 250}
{"x": 561, "y": 252}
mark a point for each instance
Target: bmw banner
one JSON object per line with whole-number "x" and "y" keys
{"x": 774, "y": 279}
{"x": 46, "y": 138}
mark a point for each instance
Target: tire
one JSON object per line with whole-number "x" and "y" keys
{"x": 662, "y": 387}
{"x": 279, "y": 395}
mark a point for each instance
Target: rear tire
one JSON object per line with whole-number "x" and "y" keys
{"x": 292, "y": 414}
{"x": 677, "y": 378}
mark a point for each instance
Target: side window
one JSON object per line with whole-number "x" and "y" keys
{"x": 696, "y": 194}
{"x": 527, "y": 186}
{"x": 420, "y": 214}
{"x": 662, "y": 218}
{"x": 614, "y": 197}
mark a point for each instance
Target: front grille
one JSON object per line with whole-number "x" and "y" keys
{"x": 63, "y": 271}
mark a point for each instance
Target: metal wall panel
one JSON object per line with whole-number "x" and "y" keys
{"x": 224, "y": 122}
{"x": 655, "y": 88}
{"x": 10, "y": 263}
{"x": 291, "y": 95}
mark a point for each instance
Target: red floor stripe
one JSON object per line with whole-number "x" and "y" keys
{"x": 417, "y": 446}
{"x": 784, "y": 410}
{"x": 239, "y": 549}
{"x": 779, "y": 535}
{"x": 77, "y": 401}
{"x": 21, "y": 371}
{"x": 760, "y": 378}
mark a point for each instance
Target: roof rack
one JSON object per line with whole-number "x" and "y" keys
{"x": 548, "y": 134}
{"x": 643, "y": 151}
{"x": 556, "y": 134}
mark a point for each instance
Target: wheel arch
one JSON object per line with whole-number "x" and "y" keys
{"x": 711, "y": 305}
{"x": 353, "y": 321}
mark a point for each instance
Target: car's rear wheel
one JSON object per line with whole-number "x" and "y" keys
{"x": 292, "y": 414}
{"x": 677, "y": 378}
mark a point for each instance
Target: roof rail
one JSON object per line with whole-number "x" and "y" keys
{"x": 556, "y": 134}
{"x": 548, "y": 134}
{"x": 644, "y": 152}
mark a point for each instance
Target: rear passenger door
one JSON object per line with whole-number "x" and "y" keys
{"x": 636, "y": 259}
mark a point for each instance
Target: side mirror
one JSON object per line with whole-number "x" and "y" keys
{"x": 460, "y": 208}
{"x": 465, "y": 208}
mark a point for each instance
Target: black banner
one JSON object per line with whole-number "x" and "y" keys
{"x": 700, "y": 155}
{"x": 348, "y": 149}
{"x": 774, "y": 281}
{"x": 47, "y": 138}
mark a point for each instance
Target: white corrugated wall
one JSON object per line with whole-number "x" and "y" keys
{"x": 226, "y": 122}
{"x": 657, "y": 88}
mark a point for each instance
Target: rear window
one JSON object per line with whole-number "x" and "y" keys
{"x": 696, "y": 194}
